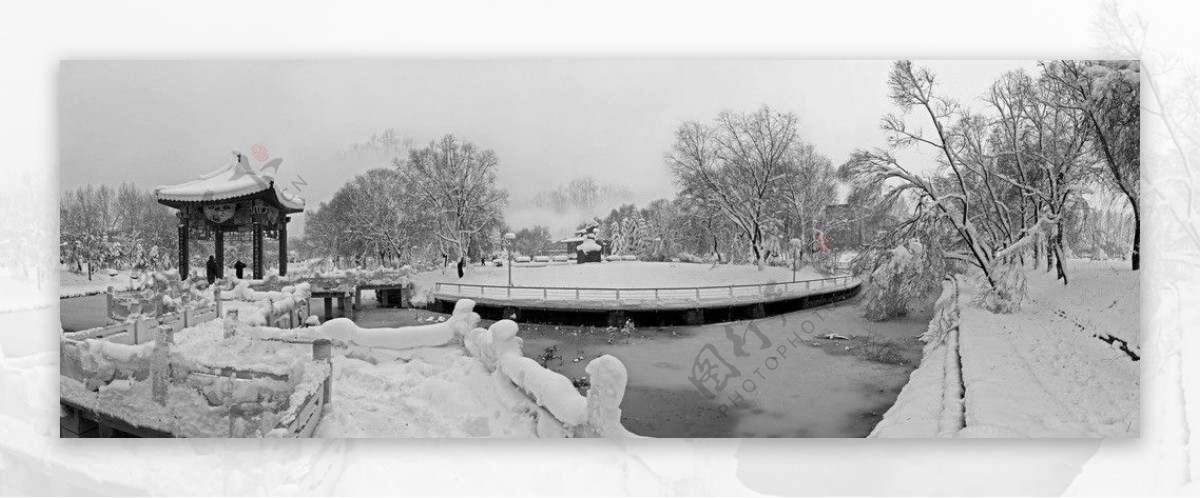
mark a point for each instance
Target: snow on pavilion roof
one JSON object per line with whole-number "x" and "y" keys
{"x": 235, "y": 179}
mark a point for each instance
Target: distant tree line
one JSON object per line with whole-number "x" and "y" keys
{"x": 122, "y": 227}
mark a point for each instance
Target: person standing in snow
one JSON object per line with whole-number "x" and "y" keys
{"x": 461, "y": 263}
{"x": 210, "y": 269}
{"x": 238, "y": 267}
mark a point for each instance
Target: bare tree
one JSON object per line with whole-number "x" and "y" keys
{"x": 809, "y": 189}
{"x": 1108, "y": 94}
{"x": 972, "y": 193}
{"x": 456, "y": 182}
{"x": 1040, "y": 152}
{"x": 949, "y": 200}
{"x": 738, "y": 166}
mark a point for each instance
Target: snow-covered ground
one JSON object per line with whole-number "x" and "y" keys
{"x": 72, "y": 284}
{"x": 437, "y": 392}
{"x": 1042, "y": 371}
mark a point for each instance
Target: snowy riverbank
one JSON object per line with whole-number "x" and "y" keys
{"x": 1040, "y": 372}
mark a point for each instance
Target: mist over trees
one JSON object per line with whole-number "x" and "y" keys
{"x": 582, "y": 195}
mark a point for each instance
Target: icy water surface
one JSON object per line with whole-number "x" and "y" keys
{"x": 789, "y": 381}
{"x": 83, "y": 312}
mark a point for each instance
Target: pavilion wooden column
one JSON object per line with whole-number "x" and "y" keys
{"x": 219, "y": 250}
{"x": 183, "y": 248}
{"x": 283, "y": 257}
{"x": 258, "y": 250}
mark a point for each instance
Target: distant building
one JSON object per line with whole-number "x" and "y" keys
{"x": 570, "y": 245}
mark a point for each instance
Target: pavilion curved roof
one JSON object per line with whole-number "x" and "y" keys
{"x": 236, "y": 180}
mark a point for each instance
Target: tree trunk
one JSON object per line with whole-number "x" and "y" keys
{"x": 1049, "y": 253}
{"x": 756, "y": 245}
{"x": 1037, "y": 253}
{"x": 1058, "y": 251}
{"x": 1136, "y": 258}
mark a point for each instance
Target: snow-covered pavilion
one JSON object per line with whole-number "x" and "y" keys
{"x": 235, "y": 199}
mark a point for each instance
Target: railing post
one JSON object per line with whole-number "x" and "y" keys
{"x": 323, "y": 350}
{"x": 109, "y": 299}
{"x": 160, "y": 364}
{"x": 231, "y": 323}
{"x": 217, "y": 298}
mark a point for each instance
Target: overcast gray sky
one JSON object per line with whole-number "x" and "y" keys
{"x": 155, "y": 123}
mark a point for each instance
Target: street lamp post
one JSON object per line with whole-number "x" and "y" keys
{"x": 795, "y": 250}
{"x": 508, "y": 237}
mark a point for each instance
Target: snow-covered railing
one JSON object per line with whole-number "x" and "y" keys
{"x": 138, "y": 327}
{"x": 113, "y": 358}
{"x": 344, "y": 332}
{"x": 283, "y": 401}
{"x": 287, "y": 308}
{"x": 564, "y": 412}
{"x": 939, "y": 377}
{"x": 571, "y": 414}
{"x": 141, "y": 329}
{"x": 945, "y": 325}
{"x": 772, "y": 290}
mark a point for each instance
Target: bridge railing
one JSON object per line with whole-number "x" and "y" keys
{"x": 633, "y": 294}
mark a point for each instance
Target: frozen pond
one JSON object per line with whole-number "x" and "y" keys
{"x": 813, "y": 387}
{"x": 83, "y": 312}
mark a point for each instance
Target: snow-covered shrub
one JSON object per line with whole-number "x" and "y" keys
{"x": 1007, "y": 291}
{"x": 903, "y": 276}
{"x": 629, "y": 328}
